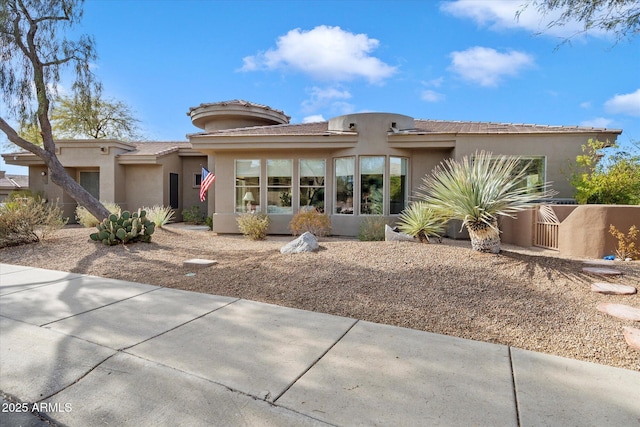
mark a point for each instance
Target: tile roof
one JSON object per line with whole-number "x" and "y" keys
{"x": 14, "y": 181}
{"x": 239, "y": 102}
{"x": 157, "y": 148}
{"x": 442, "y": 126}
{"x": 421, "y": 126}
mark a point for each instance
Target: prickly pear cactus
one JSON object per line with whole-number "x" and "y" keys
{"x": 124, "y": 228}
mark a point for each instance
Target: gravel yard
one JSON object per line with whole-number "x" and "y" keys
{"x": 524, "y": 299}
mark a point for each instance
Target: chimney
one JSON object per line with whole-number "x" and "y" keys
{"x": 2, "y": 173}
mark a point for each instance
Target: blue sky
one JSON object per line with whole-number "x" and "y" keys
{"x": 448, "y": 60}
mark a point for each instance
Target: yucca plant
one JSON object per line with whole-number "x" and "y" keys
{"x": 478, "y": 189}
{"x": 421, "y": 221}
{"x": 160, "y": 215}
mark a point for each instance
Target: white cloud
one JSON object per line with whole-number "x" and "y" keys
{"x": 325, "y": 53}
{"x": 628, "y": 104}
{"x": 431, "y": 96}
{"x": 434, "y": 82}
{"x": 501, "y": 14}
{"x": 487, "y": 66}
{"x": 586, "y": 105}
{"x": 329, "y": 97}
{"x": 314, "y": 118}
{"x": 598, "y": 122}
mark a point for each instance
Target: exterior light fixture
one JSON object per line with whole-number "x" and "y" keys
{"x": 43, "y": 173}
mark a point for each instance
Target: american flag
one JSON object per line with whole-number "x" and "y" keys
{"x": 205, "y": 182}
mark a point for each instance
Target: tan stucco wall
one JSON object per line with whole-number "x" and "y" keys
{"x": 144, "y": 186}
{"x": 559, "y": 151}
{"x": 585, "y": 231}
{"x": 190, "y": 192}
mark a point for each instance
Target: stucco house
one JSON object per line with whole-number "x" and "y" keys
{"x": 350, "y": 167}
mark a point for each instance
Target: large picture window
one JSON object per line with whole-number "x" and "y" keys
{"x": 535, "y": 171}
{"x": 312, "y": 175}
{"x": 90, "y": 181}
{"x": 344, "y": 171}
{"x": 398, "y": 186}
{"x": 372, "y": 185}
{"x": 279, "y": 181}
{"x": 247, "y": 185}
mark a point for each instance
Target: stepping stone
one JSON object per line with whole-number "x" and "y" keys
{"x": 632, "y": 336}
{"x": 620, "y": 311}
{"x": 598, "y": 262}
{"x": 602, "y": 271}
{"x": 199, "y": 263}
{"x": 613, "y": 289}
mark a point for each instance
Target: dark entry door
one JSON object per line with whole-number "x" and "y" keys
{"x": 173, "y": 190}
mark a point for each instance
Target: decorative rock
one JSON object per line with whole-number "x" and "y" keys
{"x": 613, "y": 289}
{"x": 602, "y": 271}
{"x": 632, "y": 336}
{"x": 305, "y": 243}
{"x": 198, "y": 263}
{"x": 620, "y": 311}
{"x": 395, "y": 236}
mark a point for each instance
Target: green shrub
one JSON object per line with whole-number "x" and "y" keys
{"x": 160, "y": 215}
{"x": 27, "y": 220}
{"x": 209, "y": 221}
{"x": 372, "y": 229}
{"x": 193, "y": 215}
{"x": 312, "y": 221}
{"x": 124, "y": 228}
{"x": 419, "y": 220}
{"x": 87, "y": 220}
{"x": 254, "y": 225}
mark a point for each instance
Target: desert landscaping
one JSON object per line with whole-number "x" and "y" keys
{"x": 520, "y": 298}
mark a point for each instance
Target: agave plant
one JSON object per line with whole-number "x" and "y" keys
{"x": 421, "y": 221}
{"x": 476, "y": 191}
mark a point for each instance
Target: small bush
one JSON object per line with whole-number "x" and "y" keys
{"x": 312, "y": 221}
{"x": 27, "y": 220}
{"x": 254, "y": 225}
{"x": 626, "y": 244}
{"x": 87, "y": 220}
{"x": 160, "y": 215}
{"x": 193, "y": 215}
{"x": 209, "y": 221}
{"x": 372, "y": 229}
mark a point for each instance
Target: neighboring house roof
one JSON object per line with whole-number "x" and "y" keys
{"x": 13, "y": 182}
{"x": 421, "y": 127}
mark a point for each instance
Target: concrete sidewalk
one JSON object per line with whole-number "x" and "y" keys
{"x": 89, "y": 351}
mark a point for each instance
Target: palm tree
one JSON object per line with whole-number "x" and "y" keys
{"x": 477, "y": 190}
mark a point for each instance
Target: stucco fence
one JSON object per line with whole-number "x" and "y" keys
{"x": 580, "y": 231}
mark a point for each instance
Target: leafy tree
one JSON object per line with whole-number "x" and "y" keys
{"x": 478, "y": 189}
{"x": 78, "y": 117}
{"x": 601, "y": 178}
{"x": 34, "y": 54}
{"x": 621, "y": 17}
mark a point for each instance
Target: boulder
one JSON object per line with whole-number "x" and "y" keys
{"x": 395, "y": 236}
{"x": 307, "y": 242}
